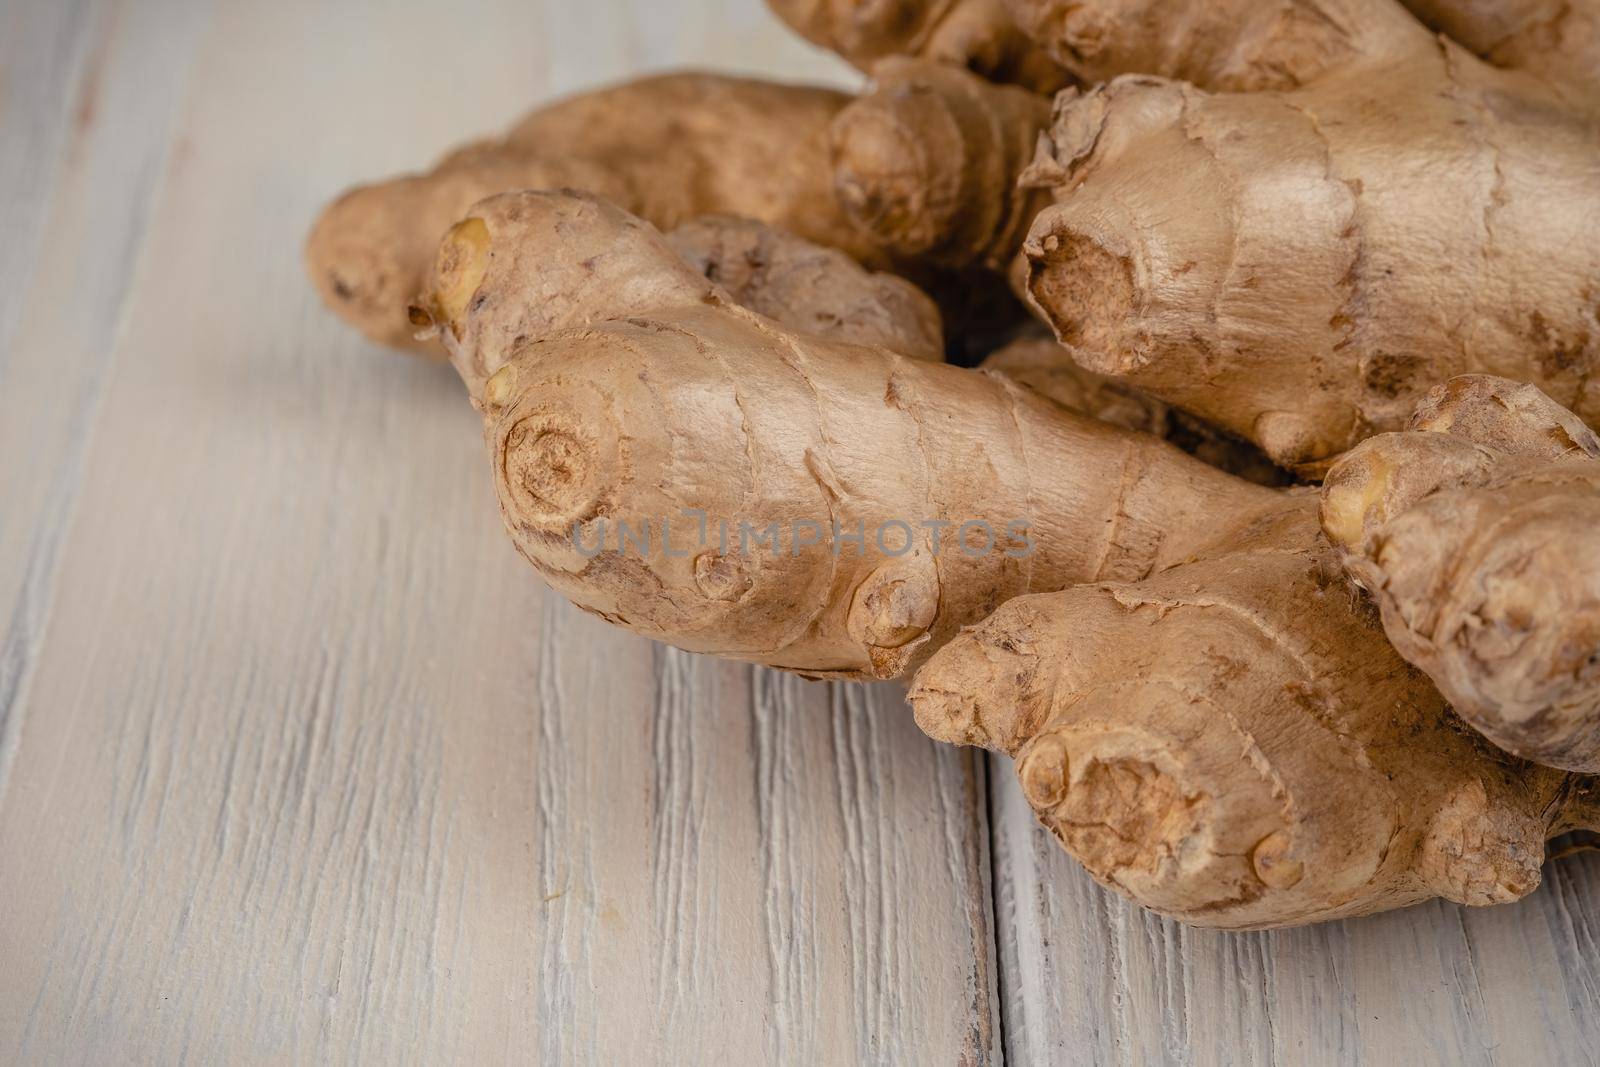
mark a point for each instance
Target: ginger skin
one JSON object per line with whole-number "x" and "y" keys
{"x": 975, "y": 34}
{"x": 1233, "y": 743}
{"x": 1478, "y": 534}
{"x": 815, "y": 290}
{"x": 1040, "y": 364}
{"x": 669, "y": 148}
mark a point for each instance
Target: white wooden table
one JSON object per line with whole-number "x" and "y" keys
{"x": 298, "y": 763}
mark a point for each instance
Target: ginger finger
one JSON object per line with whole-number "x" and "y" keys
{"x": 1045, "y": 367}
{"x": 1221, "y": 45}
{"x": 1485, "y": 561}
{"x": 1559, "y": 40}
{"x": 927, "y": 163}
{"x": 975, "y": 34}
{"x": 632, "y": 392}
{"x": 1295, "y": 266}
{"x": 1234, "y": 744}
{"x": 669, "y": 148}
{"x": 1287, "y": 266}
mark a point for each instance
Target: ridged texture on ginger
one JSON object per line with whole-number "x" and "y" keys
{"x": 1045, "y": 367}
{"x": 1556, "y": 39}
{"x": 1288, "y": 218}
{"x": 1478, "y": 534}
{"x": 509, "y": 272}
{"x": 1237, "y": 742}
{"x": 976, "y": 34}
{"x": 667, "y": 148}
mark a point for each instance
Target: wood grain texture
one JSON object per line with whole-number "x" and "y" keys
{"x": 299, "y": 764}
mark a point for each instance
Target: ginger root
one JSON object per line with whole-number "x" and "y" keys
{"x": 710, "y": 420}
{"x": 1298, "y": 267}
{"x": 927, "y": 162}
{"x": 669, "y": 148}
{"x": 1040, "y": 364}
{"x": 1478, "y": 533}
{"x": 1233, "y": 743}
{"x": 622, "y": 390}
{"x": 975, "y": 34}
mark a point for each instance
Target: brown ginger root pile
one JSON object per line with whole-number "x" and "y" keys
{"x": 976, "y": 34}
{"x": 1206, "y": 716}
{"x": 669, "y": 148}
{"x": 741, "y": 441}
{"x": 1478, "y": 533}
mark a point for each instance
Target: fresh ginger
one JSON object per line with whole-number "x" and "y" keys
{"x": 1478, "y": 533}
{"x": 1337, "y": 211}
{"x": 669, "y": 148}
{"x": 1252, "y": 45}
{"x": 1232, "y": 741}
{"x": 1206, "y": 716}
{"x": 1299, "y": 267}
{"x": 621, "y": 387}
{"x": 1041, "y": 365}
{"x": 927, "y": 163}
{"x": 976, "y": 34}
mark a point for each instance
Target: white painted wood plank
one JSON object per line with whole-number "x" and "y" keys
{"x": 86, "y": 228}
{"x": 43, "y": 51}
{"x": 308, "y": 768}
{"x": 739, "y": 862}
{"x": 1087, "y": 977}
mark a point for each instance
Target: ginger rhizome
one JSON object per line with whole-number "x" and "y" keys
{"x": 1207, "y": 716}
{"x": 1279, "y": 223}
{"x": 1300, "y": 266}
{"x": 1289, "y": 219}
{"x": 1233, "y": 742}
{"x": 622, "y": 388}
{"x": 669, "y": 149}
{"x": 815, "y": 290}
{"x": 976, "y": 34}
{"x": 1478, "y": 533}
{"x": 926, "y": 162}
